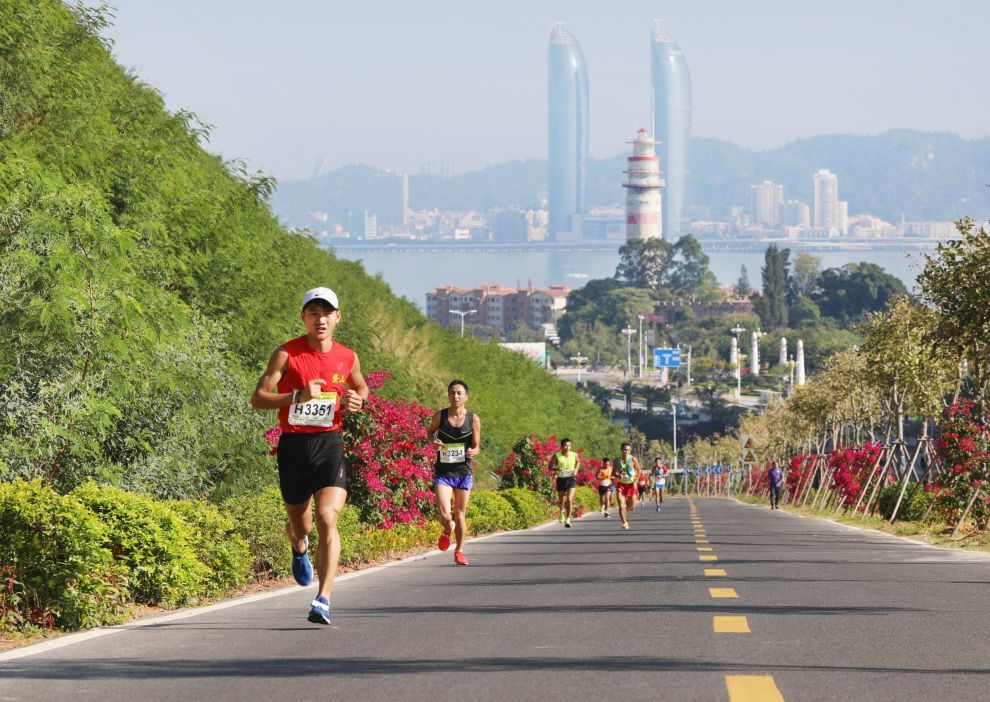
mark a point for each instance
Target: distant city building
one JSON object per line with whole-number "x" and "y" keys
{"x": 498, "y": 306}
{"x": 842, "y": 217}
{"x": 795, "y": 213}
{"x": 643, "y": 190}
{"x": 931, "y": 230}
{"x": 568, "y": 115}
{"x": 671, "y": 125}
{"x": 766, "y": 199}
{"x": 826, "y": 199}
{"x": 510, "y": 226}
{"x": 595, "y": 226}
{"x": 443, "y": 169}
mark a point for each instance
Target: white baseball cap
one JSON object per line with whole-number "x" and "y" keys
{"x": 325, "y": 294}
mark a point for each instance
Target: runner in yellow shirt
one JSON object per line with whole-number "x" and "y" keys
{"x": 565, "y": 464}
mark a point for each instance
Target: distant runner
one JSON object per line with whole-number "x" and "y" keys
{"x": 456, "y": 433}
{"x": 566, "y": 465}
{"x": 775, "y": 477}
{"x": 642, "y": 485}
{"x": 628, "y": 469}
{"x": 604, "y": 477}
{"x": 658, "y": 478}
{"x": 311, "y": 381}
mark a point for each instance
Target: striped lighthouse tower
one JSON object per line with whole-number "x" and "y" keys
{"x": 643, "y": 190}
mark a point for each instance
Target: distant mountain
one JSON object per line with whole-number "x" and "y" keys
{"x": 924, "y": 175}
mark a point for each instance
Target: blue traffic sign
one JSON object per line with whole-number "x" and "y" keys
{"x": 666, "y": 358}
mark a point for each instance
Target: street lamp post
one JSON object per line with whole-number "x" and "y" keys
{"x": 673, "y": 409}
{"x": 463, "y": 314}
{"x": 737, "y": 330}
{"x": 640, "y": 345}
{"x": 579, "y": 361}
{"x": 628, "y": 331}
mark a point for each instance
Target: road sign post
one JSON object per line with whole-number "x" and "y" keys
{"x": 666, "y": 358}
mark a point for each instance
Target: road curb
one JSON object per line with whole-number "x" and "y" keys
{"x": 189, "y": 612}
{"x": 948, "y": 549}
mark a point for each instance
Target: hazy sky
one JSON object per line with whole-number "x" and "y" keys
{"x": 397, "y": 83}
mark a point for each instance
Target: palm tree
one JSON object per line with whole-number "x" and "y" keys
{"x": 627, "y": 391}
{"x": 653, "y": 395}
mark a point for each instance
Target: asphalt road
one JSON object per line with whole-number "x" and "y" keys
{"x": 820, "y": 612}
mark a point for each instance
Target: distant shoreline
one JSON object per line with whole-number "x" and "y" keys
{"x": 710, "y": 245}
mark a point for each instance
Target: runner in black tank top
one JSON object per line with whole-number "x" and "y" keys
{"x": 456, "y": 434}
{"x": 453, "y": 459}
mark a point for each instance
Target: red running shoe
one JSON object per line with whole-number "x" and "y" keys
{"x": 443, "y": 543}
{"x": 459, "y": 558}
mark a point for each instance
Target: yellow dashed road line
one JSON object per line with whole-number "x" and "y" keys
{"x": 720, "y": 592}
{"x": 714, "y": 572}
{"x": 752, "y": 688}
{"x": 705, "y": 548}
{"x": 730, "y": 625}
{"x": 707, "y": 557}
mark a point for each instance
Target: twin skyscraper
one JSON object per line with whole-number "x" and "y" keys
{"x": 569, "y": 113}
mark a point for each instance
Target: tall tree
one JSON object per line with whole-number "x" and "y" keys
{"x": 743, "y": 286}
{"x": 642, "y": 263}
{"x": 772, "y": 305}
{"x": 849, "y": 292}
{"x": 807, "y": 268}
{"x": 956, "y": 282}
{"x": 687, "y": 272}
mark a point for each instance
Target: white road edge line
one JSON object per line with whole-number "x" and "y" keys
{"x": 967, "y": 555}
{"x": 79, "y": 637}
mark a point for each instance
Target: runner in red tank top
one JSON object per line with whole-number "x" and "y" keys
{"x": 312, "y": 380}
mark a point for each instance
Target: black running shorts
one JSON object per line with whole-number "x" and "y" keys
{"x": 310, "y": 462}
{"x": 604, "y": 490}
{"x": 565, "y": 484}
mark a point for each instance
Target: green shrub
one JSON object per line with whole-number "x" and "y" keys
{"x": 260, "y": 521}
{"x": 151, "y": 541}
{"x": 55, "y": 569}
{"x": 913, "y": 507}
{"x": 489, "y": 511}
{"x": 530, "y": 507}
{"x": 217, "y": 545}
{"x": 354, "y": 541}
{"x": 586, "y": 498}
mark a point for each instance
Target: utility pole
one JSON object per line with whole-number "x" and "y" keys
{"x": 463, "y": 315}
{"x": 640, "y": 345}
{"x": 737, "y": 330}
{"x": 628, "y": 331}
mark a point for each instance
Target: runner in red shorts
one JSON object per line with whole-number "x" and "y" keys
{"x": 628, "y": 469}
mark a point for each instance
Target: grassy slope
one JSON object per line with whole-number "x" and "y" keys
{"x": 179, "y": 245}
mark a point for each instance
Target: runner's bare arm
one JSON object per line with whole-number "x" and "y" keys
{"x": 474, "y": 449}
{"x": 357, "y": 392}
{"x": 265, "y": 395}
{"x": 553, "y": 463}
{"x": 431, "y": 433}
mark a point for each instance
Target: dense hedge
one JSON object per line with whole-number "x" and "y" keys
{"x": 79, "y": 560}
{"x": 56, "y": 569}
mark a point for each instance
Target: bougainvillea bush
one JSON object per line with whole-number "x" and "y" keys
{"x": 389, "y": 458}
{"x": 851, "y": 468}
{"x": 963, "y": 448}
{"x": 797, "y": 472}
{"x": 588, "y": 471}
{"x": 527, "y": 466}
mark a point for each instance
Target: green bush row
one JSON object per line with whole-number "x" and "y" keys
{"x": 81, "y": 559}
{"x": 77, "y": 560}
{"x": 913, "y": 507}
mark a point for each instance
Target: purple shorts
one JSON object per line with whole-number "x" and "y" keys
{"x": 458, "y": 482}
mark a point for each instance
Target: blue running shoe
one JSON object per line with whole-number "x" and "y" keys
{"x": 302, "y": 569}
{"x": 319, "y": 611}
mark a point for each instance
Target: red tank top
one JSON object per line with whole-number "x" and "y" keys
{"x": 325, "y": 412}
